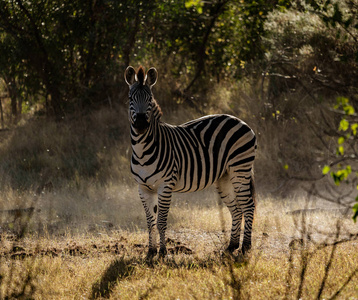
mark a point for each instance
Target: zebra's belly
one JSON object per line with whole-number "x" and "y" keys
{"x": 180, "y": 187}
{"x": 191, "y": 182}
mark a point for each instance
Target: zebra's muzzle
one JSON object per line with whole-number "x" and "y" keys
{"x": 141, "y": 124}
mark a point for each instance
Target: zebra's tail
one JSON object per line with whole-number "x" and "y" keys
{"x": 253, "y": 192}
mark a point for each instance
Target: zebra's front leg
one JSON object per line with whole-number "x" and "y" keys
{"x": 164, "y": 199}
{"x": 150, "y": 205}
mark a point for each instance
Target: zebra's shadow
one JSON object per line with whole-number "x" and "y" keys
{"x": 120, "y": 269}
{"x": 123, "y": 268}
{"x": 117, "y": 270}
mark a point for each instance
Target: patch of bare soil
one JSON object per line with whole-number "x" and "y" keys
{"x": 22, "y": 249}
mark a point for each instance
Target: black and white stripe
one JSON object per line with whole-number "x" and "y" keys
{"x": 215, "y": 149}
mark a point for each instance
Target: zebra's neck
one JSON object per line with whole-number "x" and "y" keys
{"x": 142, "y": 142}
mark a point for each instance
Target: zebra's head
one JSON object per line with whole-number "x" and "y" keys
{"x": 141, "y": 99}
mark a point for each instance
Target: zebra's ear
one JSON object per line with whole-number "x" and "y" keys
{"x": 129, "y": 75}
{"x": 152, "y": 76}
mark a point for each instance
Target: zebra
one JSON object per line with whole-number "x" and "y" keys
{"x": 215, "y": 149}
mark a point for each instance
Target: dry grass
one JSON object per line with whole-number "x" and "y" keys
{"x": 91, "y": 259}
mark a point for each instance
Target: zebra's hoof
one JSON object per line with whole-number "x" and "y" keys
{"x": 162, "y": 252}
{"x": 245, "y": 249}
{"x": 151, "y": 253}
{"x": 232, "y": 247}
{"x": 229, "y": 251}
{"x": 227, "y": 255}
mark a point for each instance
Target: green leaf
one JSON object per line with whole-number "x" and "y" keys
{"x": 340, "y": 150}
{"x": 341, "y": 140}
{"x": 341, "y": 175}
{"x": 198, "y": 4}
{"x": 337, "y": 178}
{"x": 341, "y": 101}
{"x": 354, "y": 128}
{"x": 355, "y": 210}
{"x": 349, "y": 169}
{"x": 325, "y": 170}
{"x": 343, "y": 125}
{"x": 349, "y": 110}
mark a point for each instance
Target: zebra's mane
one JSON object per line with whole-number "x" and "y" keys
{"x": 141, "y": 75}
{"x": 157, "y": 108}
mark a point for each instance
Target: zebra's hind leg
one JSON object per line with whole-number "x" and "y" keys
{"x": 227, "y": 195}
{"x": 149, "y": 201}
{"x": 244, "y": 190}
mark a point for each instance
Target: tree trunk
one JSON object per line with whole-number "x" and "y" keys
{"x": 12, "y": 92}
{"x": 1, "y": 114}
{"x": 56, "y": 101}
